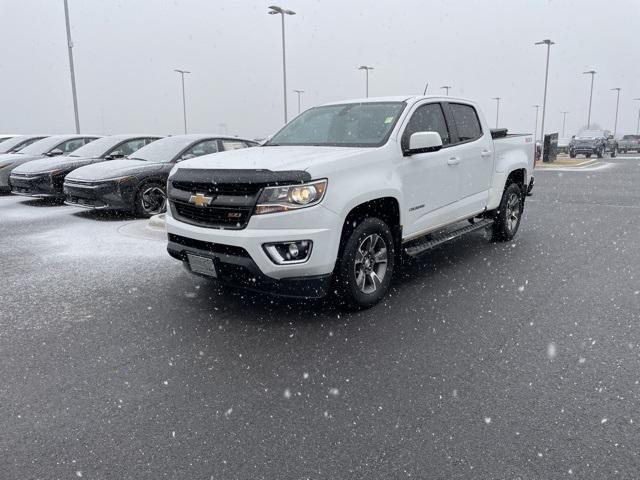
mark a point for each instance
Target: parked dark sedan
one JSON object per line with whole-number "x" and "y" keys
{"x": 139, "y": 183}
{"x": 44, "y": 178}
{"x": 14, "y": 144}
{"x": 47, "y": 147}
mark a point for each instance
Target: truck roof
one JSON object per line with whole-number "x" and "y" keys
{"x": 398, "y": 98}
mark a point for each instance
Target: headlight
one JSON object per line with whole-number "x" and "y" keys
{"x": 291, "y": 197}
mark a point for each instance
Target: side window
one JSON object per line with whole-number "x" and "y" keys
{"x": 426, "y": 118}
{"x": 467, "y": 122}
{"x": 201, "y": 148}
{"x": 131, "y": 146}
{"x": 232, "y": 144}
{"x": 70, "y": 145}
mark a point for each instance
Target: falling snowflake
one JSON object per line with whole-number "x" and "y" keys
{"x": 305, "y": 375}
{"x": 287, "y": 393}
{"x": 521, "y": 288}
{"x": 334, "y": 391}
{"x": 228, "y": 412}
{"x": 487, "y": 420}
{"x": 582, "y": 360}
{"x": 603, "y": 421}
{"x": 78, "y": 473}
{"x": 551, "y": 351}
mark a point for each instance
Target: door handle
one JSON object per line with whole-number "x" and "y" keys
{"x": 485, "y": 153}
{"x": 453, "y": 161}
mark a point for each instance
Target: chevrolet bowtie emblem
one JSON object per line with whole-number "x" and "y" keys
{"x": 200, "y": 200}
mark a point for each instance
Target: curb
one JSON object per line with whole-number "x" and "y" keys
{"x": 157, "y": 222}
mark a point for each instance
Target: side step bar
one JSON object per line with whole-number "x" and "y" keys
{"x": 416, "y": 247}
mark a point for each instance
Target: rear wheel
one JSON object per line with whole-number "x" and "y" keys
{"x": 588, "y": 155}
{"x": 366, "y": 264}
{"x": 151, "y": 200}
{"x": 507, "y": 217}
{"x": 572, "y": 155}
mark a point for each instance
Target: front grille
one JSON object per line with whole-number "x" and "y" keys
{"x": 230, "y": 208}
{"x": 212, "y": 216}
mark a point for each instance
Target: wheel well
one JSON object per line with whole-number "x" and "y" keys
{"x": 517, "y": 176}
{"x": 386, "y": 209}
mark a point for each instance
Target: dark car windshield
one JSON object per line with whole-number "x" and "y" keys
{"x": 97, "y": 148}
{"x": 346, "y": 125}
{"x": 163, "y": 150}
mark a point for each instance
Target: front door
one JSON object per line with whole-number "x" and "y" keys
{"x": 431, "y": 181}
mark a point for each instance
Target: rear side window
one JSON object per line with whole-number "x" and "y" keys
{"x": 467, "y": 122}
{"x": 131, "y": 146}
{"x": 233, "y": 144}
{"x": 427, "y": 118}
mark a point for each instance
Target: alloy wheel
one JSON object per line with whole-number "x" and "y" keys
{"x": 371, "y": 263}
{"x": 154, "y": 200}
{"x": 513, "y": 211}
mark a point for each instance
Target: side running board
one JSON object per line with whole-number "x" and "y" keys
{"x": 421, "y": 245}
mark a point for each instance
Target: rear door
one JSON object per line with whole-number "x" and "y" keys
{"x": 474, "y": 149}
{"x": 430, "y": 181}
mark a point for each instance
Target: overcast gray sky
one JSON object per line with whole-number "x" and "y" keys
{"x": 126, "y": 50}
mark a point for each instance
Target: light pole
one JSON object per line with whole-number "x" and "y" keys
{"x": 638, "y": 126}
{"x": 184, "y": 105}
{"x": 615, "y": 124}
{"x": 73, "y": 74}
{"x": 366, "y": 71}
{"x": 535, "y": 133}
{"x": 446, "y": 88}
{"x": 497, "y": 99}
{"x": 592, "y": 73}
{"x": 564, "y": 121}
{"x": 548, "y": 43}
{"x": 274, "y": 10}
{"x": 299, "y": 92}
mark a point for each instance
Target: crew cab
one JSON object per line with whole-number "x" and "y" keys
{"x": 593, "y": 142}
{"x": 339, "y": 195}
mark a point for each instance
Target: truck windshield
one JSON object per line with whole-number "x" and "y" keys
{"x": 346, "y": 125}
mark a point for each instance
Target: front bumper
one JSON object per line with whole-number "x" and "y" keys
{"x": 97, "y": 195}
{"x": 236, "y": 268}
{"x": 318, "y": 224}
{"x": 40, "y": 186}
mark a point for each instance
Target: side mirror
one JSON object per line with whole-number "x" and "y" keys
{"x": 186, "y": 156}
{"x": 55, "y": 152}
{"x": 422, "y": 142}
{"x": 114, "y": 155}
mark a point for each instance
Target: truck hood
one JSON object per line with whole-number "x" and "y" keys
{"x": 113, "y": 169}
{"x": 275, "y": 158}
{"x": 54, "y": 163}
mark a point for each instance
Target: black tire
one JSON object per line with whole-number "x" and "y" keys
{"x": 588, "y": 155}
{"x": 356, "y": 287}
{"x": 143, "y": 208}
{"x": 572, "y": 155}
{"x": 600, "y": 153}
{"x": 508, "y": 215}
{"x": 613, "y": 153}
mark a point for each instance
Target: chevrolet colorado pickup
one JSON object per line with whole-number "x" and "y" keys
{"x": 344, "y": 191}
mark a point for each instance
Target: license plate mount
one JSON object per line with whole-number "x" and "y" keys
{"x": 202, "y": 265}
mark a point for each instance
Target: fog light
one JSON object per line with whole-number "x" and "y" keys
{"x": 282, "y": 253}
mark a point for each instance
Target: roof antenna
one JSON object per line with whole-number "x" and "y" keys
{"x": 425, "y": 88}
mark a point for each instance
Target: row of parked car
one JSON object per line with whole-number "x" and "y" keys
{"x": 598, "y": 143}
{"x": 120, "y": 172}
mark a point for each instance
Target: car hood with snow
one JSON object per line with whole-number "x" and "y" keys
{"x": 46, "y": 164}
{"x": 318, "y": 161}
{"x": 113, "y": 169}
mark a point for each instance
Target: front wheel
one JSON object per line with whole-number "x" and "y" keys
{"x": 366, "y": 264}
{"x": 613, "y": 153}
{"x": 507, "y": 217}
{"x": 150, "y": 200}
{"x": 572, "y": 155}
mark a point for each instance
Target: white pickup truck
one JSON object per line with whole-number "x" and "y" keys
{"x": 341, "y": 193}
